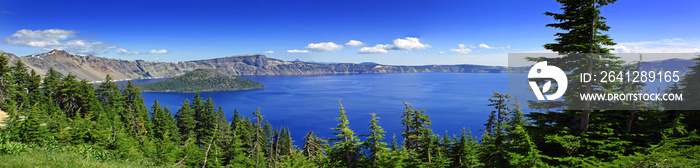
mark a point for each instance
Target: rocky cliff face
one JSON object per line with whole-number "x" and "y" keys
{"x": 94, "y": 68}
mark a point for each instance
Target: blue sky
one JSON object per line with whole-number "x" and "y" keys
{"x": 389, "y": 32}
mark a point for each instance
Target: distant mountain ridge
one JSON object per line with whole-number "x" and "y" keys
{"x": 94, "y": 68}
{"x": 674, "y": 64}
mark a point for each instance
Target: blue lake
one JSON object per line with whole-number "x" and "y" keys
{"x": 310, "y": 103}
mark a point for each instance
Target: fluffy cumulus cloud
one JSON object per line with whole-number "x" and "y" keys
{"x": 675, "y": 45}
{"x": 463, "y": 49}
{"x": 441, "y": 52}
{"x": 295, "y": 51}
{"x": 269, "y": 52}
{"x": 482, "y": 45}
{"x": 378, "y": 49}
{"x": 68, "y": 40}
{"x": 408, "y": 43}
{"x": 158, "y": 52}
{"x": 56, "y": 39}
{"x": 327, "y": 46}
{"x": 354, "y": 43}
{"x": 40, "y": 38}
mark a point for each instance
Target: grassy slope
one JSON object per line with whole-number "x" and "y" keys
{"x": 42, "y": 158}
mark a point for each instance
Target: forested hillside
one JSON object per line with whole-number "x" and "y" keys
{"x": 201, "y": 80}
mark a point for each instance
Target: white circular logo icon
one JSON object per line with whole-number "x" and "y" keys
{"x": 543, "y": 71}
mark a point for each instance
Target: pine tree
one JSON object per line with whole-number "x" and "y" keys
{"x": 107, "y": 92}
{"x": 235, "y": 148}
{"x": 112, "y": 100}
{"x": 507, "y": 143}
{"x": 126, "y": 146}
{"x": 185, "y": 121}
{"x": 498, "y": 116}
{"x": 31, "y": 130}
{"x": 314, "y": 148}
{"x": 414, "y": 123}
{"x": 206, "y": 122}
{"x": 374, "y": 144}
{"x": 136, "y": 114}
{"x": 34, "y": 88}
{"x": 256, "y": 152}
{"x": 221, "y": 138}
{"x": 19, "y": 78}
{"x": 465, "y": 151}
{"x": 427, "y": 148}
{"x": 163, "y": 123}
{"x": 284, "y": 142}
{"x": 690, "y": 84}
{"x": 234, "y": 151}
{"x": 345, "y": 145}
{"x": 5, "y": 82}
{"x": 394, "y": 144}
{"x": 89, "y": 104}
{"x": 165, "y": 133}
{"x": 398, "y": 157}
{"x": 269, "y": 133}
{"x": 492, "y": 140}
{"x": 583, "y": 23}
{"x": 51, "y": 83}
{"x": 56, "y": 121}
{"x": 521, "y": 150}
{"x": 67, "y": 96}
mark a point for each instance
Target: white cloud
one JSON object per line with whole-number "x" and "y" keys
{"x": 297, "y": 51}
{"x": 462, "y": 49}
{"x": 482, "y": 45}
{"x": 621, "y": 49}
{"x": 269, "y": 52}
{"x": 50, "y": 39}
{"x": 85, "y": 47}
{"x": 675, "y": 45}
{"x": 327, "y": 46}
{"x": 408, "y": 43}
{"x": 378, "y": 49}
{"x": 441, "y": 52}
{"x": 126, "y": 52}
{"x": 158, "y": 52}
{"x": 68, "y": 40}
{"x": 354, "y": 43}
{"x": 40, "y": 38}
{"x": 122, "y": 51}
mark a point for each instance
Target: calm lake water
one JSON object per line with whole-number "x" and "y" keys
{"x": 310, "y": 103}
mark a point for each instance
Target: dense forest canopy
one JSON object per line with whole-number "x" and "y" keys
{"x": 201, "y": 80}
